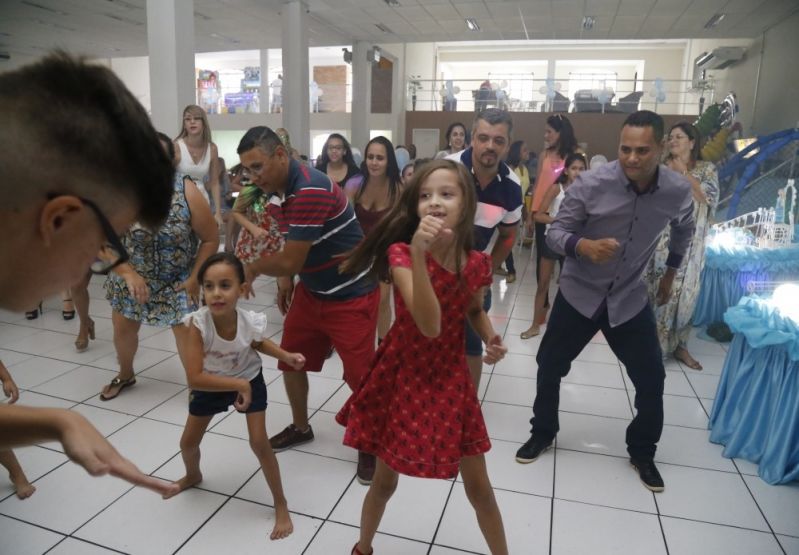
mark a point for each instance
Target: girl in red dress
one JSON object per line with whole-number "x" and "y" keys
{"x": 417, "y": 408}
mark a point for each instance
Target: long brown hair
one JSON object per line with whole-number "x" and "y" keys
{"x": 401, "y": 222}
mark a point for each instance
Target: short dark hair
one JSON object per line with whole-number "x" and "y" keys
{"x": 170, "y": 146}
{"x": 76, "y": 129}
{"x": 646, "y": 118}
{"x": 260, "y": 136}
{"x": 221, "y": 258}
{"x": 494, "y": 116}
{"x": 692, "y": 133}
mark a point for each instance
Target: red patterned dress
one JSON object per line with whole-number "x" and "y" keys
{"x": 417, "y": 408}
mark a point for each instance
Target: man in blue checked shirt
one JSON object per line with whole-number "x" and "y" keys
{"x": 607, "y": 227}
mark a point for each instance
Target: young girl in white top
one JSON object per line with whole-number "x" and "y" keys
{"x": 573, "y": 166}
{"x": 198, "y": 157}
{"x": 223, "y": 368}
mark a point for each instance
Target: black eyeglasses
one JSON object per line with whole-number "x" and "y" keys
{"x": 113, "y": 252}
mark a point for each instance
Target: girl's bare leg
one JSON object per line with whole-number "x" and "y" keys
{"x": 15, "y": 473}
{"x": 259, "y": 442}
{"x": 481, "y": 496}
{"x": 383, "y": 486}
{"x": 190, "y": 451}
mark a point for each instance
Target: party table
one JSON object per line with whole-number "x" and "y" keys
{"x": 756, "y": 411}
{"x": 728, "y": 270}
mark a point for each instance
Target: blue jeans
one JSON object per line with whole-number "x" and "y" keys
{"x": 474, "y": 344}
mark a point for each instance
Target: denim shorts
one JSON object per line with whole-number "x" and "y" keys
{"x": 208, "y": 403}
{"x": 474, "y": 343}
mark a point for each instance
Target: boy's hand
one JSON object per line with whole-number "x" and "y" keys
{"x": 295, "y": 360}
{"x": 84, "y": 445}
{"x": 244, "y": 398}
{"x": 495, "y": 350}
{"x": 11, "y": 391}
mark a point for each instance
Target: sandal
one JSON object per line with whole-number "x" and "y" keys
{"x": 82, "y": 343}
{"x": 67, "y": 314}
{"x": 532, "y": 331}
{"x": 685, "y": 358}
{"x": 121, "y": 384}
{"x": 33, "y": 314}
{"x": 356, "y": 551}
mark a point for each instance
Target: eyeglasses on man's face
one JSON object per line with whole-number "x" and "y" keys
{"x": 113, "y": 252}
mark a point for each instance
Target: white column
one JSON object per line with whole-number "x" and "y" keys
{"x": 266, "y": 91}
{"x": 296, "y": 102}
{"x": 361, "y": 95}
{"x": 170, "y": 43}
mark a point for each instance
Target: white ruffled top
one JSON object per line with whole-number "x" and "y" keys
{"x": 234, "y": 358}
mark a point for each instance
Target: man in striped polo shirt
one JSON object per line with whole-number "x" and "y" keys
{"x": 326, "y": 308}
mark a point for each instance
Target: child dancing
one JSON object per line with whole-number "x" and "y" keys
{"x": 417, "y": 408}
{"x": 8, "y": 459}
{"x": 223, "y": 368}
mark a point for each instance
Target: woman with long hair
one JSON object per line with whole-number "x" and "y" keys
{"x": 674, "y": 317}
{"x": 373, "y": 193}
{"x": 457, "y": 137}
{"x": 336, "y": 160}
{"x": 559, "y": 142}
{"x": 197, "y": 156}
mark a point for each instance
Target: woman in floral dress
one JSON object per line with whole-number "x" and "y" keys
{"x": 674, "y": 318}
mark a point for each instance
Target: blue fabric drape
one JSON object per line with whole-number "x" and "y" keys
{"x": 728, "y": 270}
{"x": 756, "y": 411}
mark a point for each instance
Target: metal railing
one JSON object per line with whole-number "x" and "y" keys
{"x": 526, "y": 93}
{"x": 332, "y": 97}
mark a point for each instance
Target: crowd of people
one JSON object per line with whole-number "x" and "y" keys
{"x": 342, "y": 240}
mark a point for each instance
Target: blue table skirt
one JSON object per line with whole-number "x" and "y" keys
{"x": 728, "y": 271}
{"x": 756, "y": 411}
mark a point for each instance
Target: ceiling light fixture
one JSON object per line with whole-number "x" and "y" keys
{"x": 382, "y": 27}
{"x": 472, "y": 25}
{"x": 715, "y": 20}
{"x": 392, "y": 3}
{"x": 588, "y": 22}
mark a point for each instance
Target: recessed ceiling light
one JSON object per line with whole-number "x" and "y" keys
{"x": 471, "y": 23}
{"x": 588, "y": 22}
{"x": 715, "y": 20}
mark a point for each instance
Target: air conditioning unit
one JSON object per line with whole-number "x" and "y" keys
{"x": 718, "y": 58}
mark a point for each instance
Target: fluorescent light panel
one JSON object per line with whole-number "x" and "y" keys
{"x": 715, "y": 20}
{"x": 471, "y": 24}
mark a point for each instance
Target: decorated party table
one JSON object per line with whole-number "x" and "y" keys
{"x": 729, "y": 268}
{"x": 756, "y": 411}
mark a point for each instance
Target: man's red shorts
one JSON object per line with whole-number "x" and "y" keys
{"x": 312, "y": 325}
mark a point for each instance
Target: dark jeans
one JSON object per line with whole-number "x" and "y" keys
{"x": 636, "y": 345}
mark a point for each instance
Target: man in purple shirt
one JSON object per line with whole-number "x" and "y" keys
{"x": 608, "y": 226}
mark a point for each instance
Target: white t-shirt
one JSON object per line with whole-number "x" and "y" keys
{"x": 234, "y": 358}
{"x": 556, "y": 202}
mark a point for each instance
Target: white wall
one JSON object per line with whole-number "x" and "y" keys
{"x": 776, "y": 105}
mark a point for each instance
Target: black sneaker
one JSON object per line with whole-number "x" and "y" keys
{"x": 530, "y": 451}
{"x": 649, "y": 474}
{"x": 366, "y": 468}
{"x": 290, "y": 437}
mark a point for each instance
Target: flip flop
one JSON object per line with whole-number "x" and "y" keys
{"x": 121, "y": 384}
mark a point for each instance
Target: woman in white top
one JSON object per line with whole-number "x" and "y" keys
{"x": 197, "y": 157}
{"x": 573, "y": 166}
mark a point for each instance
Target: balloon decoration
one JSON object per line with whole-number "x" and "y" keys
{"x": 550, "y": 89}
{"x": 658, "y": 91}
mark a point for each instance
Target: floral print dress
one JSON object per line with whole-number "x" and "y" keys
{"x": 164, "y": 258}
{"x": 674, "y": 318}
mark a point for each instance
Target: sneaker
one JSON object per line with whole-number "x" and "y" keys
{"x": 530, "y": 451}
{"x": 290, "y": 437}
{"x": 366, "y": 468}
{"x": 649, "y": 474}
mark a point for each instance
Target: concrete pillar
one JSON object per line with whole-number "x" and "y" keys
{"x": 263, "y": 104}
{"x": 296, "y": 102}
{"x": 170, "y": 43}
{"x": 361, "y": 94}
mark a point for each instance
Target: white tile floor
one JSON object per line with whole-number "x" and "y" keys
{"x": 579, "y": 498}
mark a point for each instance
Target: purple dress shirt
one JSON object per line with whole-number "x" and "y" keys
{"x": 604, "y": 204}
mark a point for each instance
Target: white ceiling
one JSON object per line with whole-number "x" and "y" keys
{"x": 111, "y": 28}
